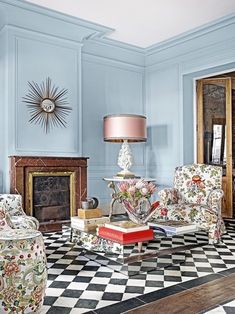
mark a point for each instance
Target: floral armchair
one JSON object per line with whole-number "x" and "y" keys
{"x": 196, "y": 197}
{"x": 11, "y": 204}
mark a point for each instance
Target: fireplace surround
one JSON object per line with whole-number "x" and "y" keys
{"x": 52, "y": 188}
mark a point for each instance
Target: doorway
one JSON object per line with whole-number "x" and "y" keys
{"x": 215, "y": 136}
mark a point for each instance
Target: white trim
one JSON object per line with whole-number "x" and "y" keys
{"x": 181, "y": 115}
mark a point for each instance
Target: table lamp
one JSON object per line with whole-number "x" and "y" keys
{"x": 125, "y": 128}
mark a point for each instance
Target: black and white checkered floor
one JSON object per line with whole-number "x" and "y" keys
{"x": 79, "y": 285}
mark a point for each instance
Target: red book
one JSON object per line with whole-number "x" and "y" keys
{"x": 125, "y": 237}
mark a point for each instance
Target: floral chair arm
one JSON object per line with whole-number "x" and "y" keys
{"x": 12, "y": 204}
{"x": 25, "y": 222}
{"x": 214, "y": 200}
{"x": 168, "y": 196}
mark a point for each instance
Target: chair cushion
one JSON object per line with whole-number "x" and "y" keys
{"x": 188, "y": 212}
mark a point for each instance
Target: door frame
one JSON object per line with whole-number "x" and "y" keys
{"x": 227, "y": 180}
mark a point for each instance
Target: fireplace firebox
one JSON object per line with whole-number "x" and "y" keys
{"x": 52, "y": 188}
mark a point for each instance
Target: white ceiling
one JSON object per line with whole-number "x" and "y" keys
{"x": 144, "y": 22}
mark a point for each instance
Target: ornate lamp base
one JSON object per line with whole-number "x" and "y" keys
{"x": 125, "y": 161}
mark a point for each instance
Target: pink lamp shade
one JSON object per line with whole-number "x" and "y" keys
{"x": 130, "y": 127}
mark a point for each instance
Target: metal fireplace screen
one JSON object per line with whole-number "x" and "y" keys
{"x": 51, "y": 195}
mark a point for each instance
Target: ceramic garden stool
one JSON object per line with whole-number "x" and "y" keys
{"x": 23, "y": 271}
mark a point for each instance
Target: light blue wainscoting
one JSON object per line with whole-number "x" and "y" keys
{"x": 34, "y": 57}
{"x": 4, "y": 112}
{"x": 164, "y": 126}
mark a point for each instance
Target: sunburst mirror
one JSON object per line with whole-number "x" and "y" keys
{"x": 47, "y": 105}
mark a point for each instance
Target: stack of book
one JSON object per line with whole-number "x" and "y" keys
{"x": 173, "y": 226}
{"x": 125, "y": 232}
{"x": 89, "y": 224}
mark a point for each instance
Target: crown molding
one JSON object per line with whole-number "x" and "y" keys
{"x": 114, "y": 50}
{"x": 21, "y": 13}
{"x": 119, "y": 44}
{"x": 191, "y": 34}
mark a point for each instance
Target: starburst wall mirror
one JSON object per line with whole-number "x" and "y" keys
{"x": 47, "y": 105}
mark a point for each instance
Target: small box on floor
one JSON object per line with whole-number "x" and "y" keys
{"x": 89, "y": 213}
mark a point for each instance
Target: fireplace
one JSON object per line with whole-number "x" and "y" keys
{"x": 53, "y": 193}
{"x": 52, "y": 188}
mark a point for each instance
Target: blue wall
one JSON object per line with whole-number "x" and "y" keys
{"x": 171, "y": 72}
{"x": 104, "y": 77}
{"x": 34, "y": 57}
{"x": 108, "y": 87}
{"x": 101, "y": 77}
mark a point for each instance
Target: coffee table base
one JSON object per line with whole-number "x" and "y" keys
{"x": 127, "y": 259}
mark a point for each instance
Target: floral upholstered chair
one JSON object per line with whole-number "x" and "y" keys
{"x": 12, "y": 204}
{"x": 23, "y": 269}
{"x": 196, "y": 197}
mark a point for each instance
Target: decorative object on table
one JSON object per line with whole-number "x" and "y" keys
{"x": 125, "y": 128}
{"x": 173, "y": 226}
{"x": 112, "y": 184}
{"x": 126, "y": 226}
{"x": 135, "y": 196}
{"x": 90, "y": 213}
{"x": 195, "y": 198}
{"x": 125, "y": 237}
{"x": 47, "y": 104}
{"x": 90, "y": 203}
{"x": 88, "y": 224}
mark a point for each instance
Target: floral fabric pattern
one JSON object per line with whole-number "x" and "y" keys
{"x": 195, "y": 182}
{"x": 23, "y": 272}
{"x": 12, "y": 204}
{"x": 196, "y": 197}
{"x": 3, "y": 220}
{"x": 169, "y": 196}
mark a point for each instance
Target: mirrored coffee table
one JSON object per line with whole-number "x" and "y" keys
{"x": 158, "y": 253}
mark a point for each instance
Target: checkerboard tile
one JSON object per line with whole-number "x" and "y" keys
{"x": 77, "y": 284}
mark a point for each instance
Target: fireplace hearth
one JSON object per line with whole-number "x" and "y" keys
{"x": 52, "y": 188}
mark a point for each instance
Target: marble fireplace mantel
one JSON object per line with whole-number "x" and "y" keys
{"x": 24, "y": 170}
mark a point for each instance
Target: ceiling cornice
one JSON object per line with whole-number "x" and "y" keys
{"x": 192, "y": 34}
{"x": 26, "y": 15}
{"x": 45, "y": 20}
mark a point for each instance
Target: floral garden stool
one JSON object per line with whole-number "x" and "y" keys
{"x": 23, "y": 272}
